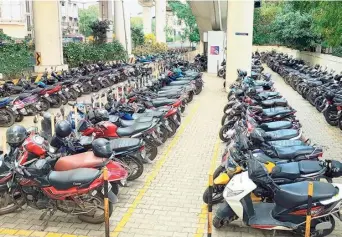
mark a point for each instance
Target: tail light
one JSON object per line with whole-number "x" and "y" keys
{"x": 320, "y": 155}
{"x": 19, "y": 104}
{"x": 329, "y": 102}
{"x": 177, "y": 103}
{"x": 142, "y": 148}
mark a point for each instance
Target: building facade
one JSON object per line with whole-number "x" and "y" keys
{"x": 16, "y": 18}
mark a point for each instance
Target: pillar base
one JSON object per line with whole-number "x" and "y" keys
{"x": 43, "y": 68}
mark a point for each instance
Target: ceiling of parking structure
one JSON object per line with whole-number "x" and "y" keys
{"x": 210, "y": 15}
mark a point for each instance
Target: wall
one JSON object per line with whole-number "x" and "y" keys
{"x": 14, "y": 30}
{"x": 332, "y": 62}
{"x": 215, "y": 39}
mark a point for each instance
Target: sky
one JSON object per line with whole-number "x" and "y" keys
{"x": 135, "y": 8}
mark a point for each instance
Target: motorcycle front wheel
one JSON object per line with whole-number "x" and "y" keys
{"x": 7, "y": 118}
{"x": 8, "y": 205}
{"x": 134, "y": 167}
{"x": 330, "y": 116}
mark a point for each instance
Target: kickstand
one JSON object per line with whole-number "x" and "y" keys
{"x": 274, "y": 233}
{"x": 46, "y": 222}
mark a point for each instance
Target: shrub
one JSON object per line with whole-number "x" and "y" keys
{"x": 75, "y": 53}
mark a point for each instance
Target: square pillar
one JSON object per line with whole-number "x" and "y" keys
{"x": 239, "y": 38}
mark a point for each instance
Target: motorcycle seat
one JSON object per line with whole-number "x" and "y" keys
{"x": 81, "y": 160}
{"x": 293, "y": 151}
{"x": 169, "y": 93}
{"x": 34, "y": 91}
{"x": 274, "y": 102}
{"x": 286, "y": 170}
{"x": 136, "y": 128}
{"x": 267, "y": 94}
{"x": 24, "y": 95}
{"x": 123, "y": 144}
{"x": 296, "y": 194}
{"x": 153, "y": 113}
{"x": 309, "y": 167}
{"x": 177, "y": 83}
{"x": 284, "y": 143}
{"x": 282, "y": 134}
{"x": 142, "y": 119}
{"x": 50, "y": 87}
{"x": 187, "y": 78}
{"x": 271, "y": 126}
{"x": 162, "y": 102}
{"x": 81, "y": 177}
{"x": 272, "y": 112}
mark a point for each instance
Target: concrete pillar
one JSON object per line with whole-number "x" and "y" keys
{"x": 239, "y": 38}
{"x": 128, "y": 25}
{"x": 106, "y": 13}
{"x": 160, "y": 20}
{"x": 147, "y": 20}
{"x": 48, "y": 35}
{"x": 200, "y": 47}
{"x": 122, "y": 32}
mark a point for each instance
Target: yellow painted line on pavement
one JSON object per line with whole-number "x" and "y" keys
{"x": 120, "y": 226}
{"x": 127, "y": 216}
{"x": 203, "y": 215}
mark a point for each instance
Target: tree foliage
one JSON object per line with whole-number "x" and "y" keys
{"x": 99, "y": 31}
{"x": 299, "y": 23}
{"x": 137, "y": 22}
{"x": 183, "y": 12}
{"x": 137, "y": 36}
{"x": 86, "y": 18}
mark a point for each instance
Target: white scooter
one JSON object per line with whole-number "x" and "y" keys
{"x": 287, "y": 212}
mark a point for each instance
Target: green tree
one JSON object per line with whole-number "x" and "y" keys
{"x": 137, "y": 36}
{"x": 99, "y": 31}
{"x": 293, "y": 28}
{"x": 183, "y": 12}
{"x": 86, "y": 18}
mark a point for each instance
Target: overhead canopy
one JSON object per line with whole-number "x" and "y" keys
{"x": 210, "y": 15}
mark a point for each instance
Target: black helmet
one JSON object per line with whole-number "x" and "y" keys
{"x": 251, "y": 92}
{"x": 16, "y": 135}
{"x": 63, "y": 129}
{"x": 101, "y": 115}
{"x": 101, "y": 148}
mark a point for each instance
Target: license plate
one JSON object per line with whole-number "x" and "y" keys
{"x": 59, "y": 92}
{"x": 109, "y": 188}
{"x": 46, "y": 95}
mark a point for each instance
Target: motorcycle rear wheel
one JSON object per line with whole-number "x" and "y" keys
{"x": 73, "y": 94}
{"x": 44, "y": 105}
{"x": 19, "y": 117}
{"x": 58, "y": 101}
{"x": 329, "y": 117}
{"x": 217, "y": 196}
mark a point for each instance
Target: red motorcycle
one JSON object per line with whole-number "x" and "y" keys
{"x": 78, "y": 192}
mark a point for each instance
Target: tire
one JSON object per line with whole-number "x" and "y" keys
{"x": 139, "y": 167}
{"x": 225, "y": 129}
{"x": 73, "y": 94}
{"x": 58, "y": 101}
{"x": 198, "y": 90}
{"x": 64, "y": 101}
{"x": 19, "y": 117}
{"x": 99, "y": 219}
{"x": 96, "y": 86}
{"x": 86, "y": 88}
{"x": 115, "y": 188}
{"x": 319, "y": 104}
{"x": 216, "y": 199}
{"x": 226, "y": 107}
{"x": 190, "y": 96}
{"x": 151, "y": 152}
{"x": 173, "y": 126}
{"x": 328, "y": 117}
{"x": 313, "y": 231}
{"x": 10, "y": 117}
{"x": 218, "y": 222}
{"x": 164, "y": 134}
{"x": 223, "y": 120}
{"x": 220, "y": 73}
{"x": 44, "y": 105}
{"x": 20, "y": 201}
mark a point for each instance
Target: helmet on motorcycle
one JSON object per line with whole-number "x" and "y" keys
{"x": 251, "y": 92}
{"x": 16, "y": 135}
{"x": 101, "y": 148}
{"x": 329, "y": 95}
{"x": 63, "y": 129}
{"x": 101, "y": 115}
